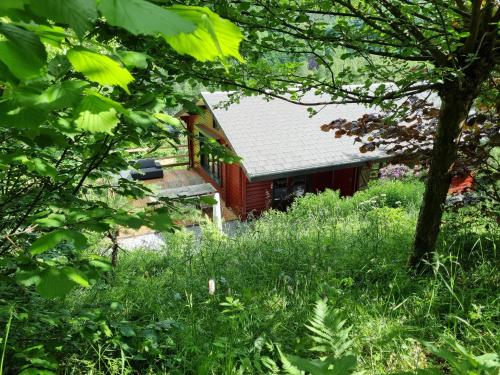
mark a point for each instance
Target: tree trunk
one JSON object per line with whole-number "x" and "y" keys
{"x": 115, "y": 248}
{"x": 455, "y": 106}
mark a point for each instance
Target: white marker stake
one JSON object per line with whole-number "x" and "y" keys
{"x": 211, "y": 287}
{"x": 217, "y": 213}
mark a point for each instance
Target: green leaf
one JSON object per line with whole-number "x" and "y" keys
{"x": 61, "y": 95}
{"x": 101, "y": 263}
{"x": 287, "y": 365}
{"x": 142, "y": 118}
{"x": 161, "y": 222}
{"x": 116, "y": 105}
{"x": 76, "y": 276}
{"x": 127, "y": 220}
{"x": 133, "y": 59}
{"x": 13, "y": 4}
{"x": 36, "y": 371}
{"x": 14, "y": 10}
{"x": 345, "y": 364}
{"x": 22, "y": 52}
{"x": 99, "y": 68}
{"x": 24, "y": 39}
{"x": 166, "y": 118}
{"x": 105, "y": 329}
{"x": 15, "y": 157}
{"x": 213, "y": 38}
{"x": 25, "y": 95}
{"x": 54, "y": 283}
{"x": 5, "y": 74}
{"x": 312, "y": 366}
{"x": 49, "y": 137}
{"x": 96, "y": 116}
{"x": 143, "y": 17}
{"x": 59, "y": 66}
{"x": 53, "y": 35}
{"x": 28, "y": 278}
{"x": 125, "y": 329}
{"x": 42, "y": 167}
{"x": 52, "y": 239}
{"x": 52, "y": 221}
{"x": 79, "y": 14}
{"x": 490, "y": 360}
{"x": 208, "y": 199}
{"x": 18, "y": 116}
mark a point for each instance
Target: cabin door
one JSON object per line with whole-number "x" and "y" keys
{"x": 345, "y": 180}
{"x": 321, "y": 181}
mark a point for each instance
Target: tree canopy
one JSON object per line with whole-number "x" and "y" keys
{"x": 73, "y": 98}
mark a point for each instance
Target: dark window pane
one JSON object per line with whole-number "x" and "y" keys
{"x": 209, "y": 163}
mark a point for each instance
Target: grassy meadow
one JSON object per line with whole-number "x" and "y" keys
{"x": 328, "y": 275}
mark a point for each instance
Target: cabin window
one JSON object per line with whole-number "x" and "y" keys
{"x": 298, "y": 186}
{"x": 210, "y": 163}
{"x": 280, "y": 189}
{"x": 212, "y": 166}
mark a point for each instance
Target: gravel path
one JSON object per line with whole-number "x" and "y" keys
{"x": 155, "y": 241}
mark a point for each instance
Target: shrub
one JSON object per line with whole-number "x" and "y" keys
{"x": 395, "y": 171}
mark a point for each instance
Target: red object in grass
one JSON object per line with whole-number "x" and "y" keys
{"x": 460, "y": 184}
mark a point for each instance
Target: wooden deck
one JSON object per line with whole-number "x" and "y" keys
{"x": 174, "y": 179}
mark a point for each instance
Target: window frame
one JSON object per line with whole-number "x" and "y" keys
{"x": 209, "y": 163}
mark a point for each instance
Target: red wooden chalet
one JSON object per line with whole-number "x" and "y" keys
{"x": 283, "y": 151}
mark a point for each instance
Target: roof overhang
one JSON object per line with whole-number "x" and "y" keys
{"x": 324, "y": 168}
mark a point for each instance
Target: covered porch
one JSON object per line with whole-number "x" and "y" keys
{"x": 188, "y": 183}
{"x": 179, "y": 183}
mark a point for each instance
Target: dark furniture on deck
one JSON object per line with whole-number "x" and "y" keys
{"x": 147, "y": 169}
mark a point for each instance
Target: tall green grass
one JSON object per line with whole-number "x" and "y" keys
{"x": 155, "y": 313}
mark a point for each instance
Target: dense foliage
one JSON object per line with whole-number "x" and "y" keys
{"x": 154, "y": 314}
{"x": 72, "y": 99}
{"x": 321, "y": 288}
{"x": 69, "y": 108}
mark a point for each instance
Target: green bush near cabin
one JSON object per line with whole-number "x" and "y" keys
{"x": 154, "y": 313}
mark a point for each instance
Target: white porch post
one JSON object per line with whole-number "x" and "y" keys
{"x": 217, "y": 213}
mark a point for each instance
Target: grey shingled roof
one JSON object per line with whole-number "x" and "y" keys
{"x": 276, "y": 138}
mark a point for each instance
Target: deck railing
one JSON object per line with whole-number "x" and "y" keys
{"x": 166, "y": 160}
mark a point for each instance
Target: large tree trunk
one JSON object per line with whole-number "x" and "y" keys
{"x": 455, "y": 106}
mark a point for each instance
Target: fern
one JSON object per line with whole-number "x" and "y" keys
{"x": 288, "y": 367}
{"x": 270, "y": 365}
{"x": 330, "y": 338}
{"x": 328, "y": 331}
